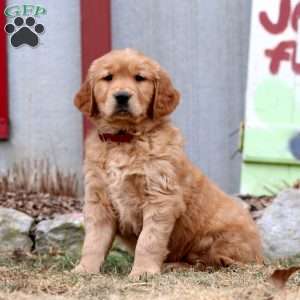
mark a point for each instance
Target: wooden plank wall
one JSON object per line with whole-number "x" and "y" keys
{"x": 204, "y": 45}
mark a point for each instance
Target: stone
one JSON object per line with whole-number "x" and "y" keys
{"x": 15, "y": 229}
{"x": 280, "y": 226}
{"x": 62, "y": 234}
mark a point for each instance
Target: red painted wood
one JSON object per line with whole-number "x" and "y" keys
{"x": 95, "y": 34}
{"x": 4, "y": 122}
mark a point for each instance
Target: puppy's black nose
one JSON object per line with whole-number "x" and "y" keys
{"x": 122, "y": 98}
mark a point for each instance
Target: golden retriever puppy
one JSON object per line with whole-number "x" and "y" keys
{"x": 139, "y": 184}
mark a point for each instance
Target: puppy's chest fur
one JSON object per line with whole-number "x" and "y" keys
{"x": 125, "y": 178}
{"x": 129, "y": 172}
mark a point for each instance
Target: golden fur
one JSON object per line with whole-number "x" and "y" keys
{"x": 147, "y": 192}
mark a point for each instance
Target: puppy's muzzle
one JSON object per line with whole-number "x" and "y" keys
{"x": 122, "y": 99}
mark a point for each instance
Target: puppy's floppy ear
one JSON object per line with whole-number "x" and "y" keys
{"x": 166, "y": 97}
{"x": 85, "y": 100}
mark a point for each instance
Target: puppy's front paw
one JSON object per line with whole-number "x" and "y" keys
{"x": 82, "y": 269}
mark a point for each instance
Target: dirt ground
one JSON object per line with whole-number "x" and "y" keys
{"x": 25, "y": 277}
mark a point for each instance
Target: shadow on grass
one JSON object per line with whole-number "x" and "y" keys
{"x": 118, "y": 262}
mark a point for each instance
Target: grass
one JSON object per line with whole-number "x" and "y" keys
{"x": 49, "y": 277}
{"x": 39, "y": 176}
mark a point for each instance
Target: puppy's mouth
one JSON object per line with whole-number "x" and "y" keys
{"x": 122, "y": 112}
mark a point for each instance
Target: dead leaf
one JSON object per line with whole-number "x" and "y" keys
{"x": 280, "y": 277}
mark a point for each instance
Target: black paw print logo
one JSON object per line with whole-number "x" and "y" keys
{"x": 24, "y": 33}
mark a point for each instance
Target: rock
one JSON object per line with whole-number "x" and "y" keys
{"x": 63, "y": 234}
{"x": 14, "y": 231}
{"x": 280, "y": 226}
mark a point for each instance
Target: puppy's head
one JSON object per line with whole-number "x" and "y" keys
{"x": 126, "y": 85}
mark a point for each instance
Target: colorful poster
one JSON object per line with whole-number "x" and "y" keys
{"x": 272, "y": 124}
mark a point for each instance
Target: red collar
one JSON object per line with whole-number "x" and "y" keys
{"x": 120, "y": 137}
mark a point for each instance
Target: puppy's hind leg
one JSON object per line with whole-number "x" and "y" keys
{"x": 233, "y": 249}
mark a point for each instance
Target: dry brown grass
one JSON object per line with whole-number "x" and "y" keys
{"x": 38, "y": 177}
{"x": 39, "y": 190}
{"x": 49, "y": 278}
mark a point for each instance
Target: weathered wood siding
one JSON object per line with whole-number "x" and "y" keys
{"x": 204, "y": 45}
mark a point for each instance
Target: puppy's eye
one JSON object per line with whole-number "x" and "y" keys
{"x": 139, "y": 78}
{"x": 108, "y": 78}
